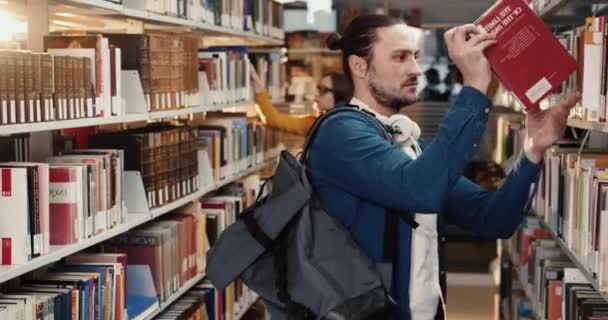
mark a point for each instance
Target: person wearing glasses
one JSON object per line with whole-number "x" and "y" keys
{"x": 333, "y": 89}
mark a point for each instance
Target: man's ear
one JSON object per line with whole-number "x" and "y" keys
{"x": 358, "y": 66}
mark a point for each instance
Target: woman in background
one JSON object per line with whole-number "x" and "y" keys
{"x": 333, "y": 89}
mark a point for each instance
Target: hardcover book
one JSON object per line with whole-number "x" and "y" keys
{"x": 527, "y": 58}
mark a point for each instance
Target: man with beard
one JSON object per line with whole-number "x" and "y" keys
{"x": 359, "y": 175}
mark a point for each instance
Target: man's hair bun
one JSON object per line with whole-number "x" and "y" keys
{"x": 335, "y": 41}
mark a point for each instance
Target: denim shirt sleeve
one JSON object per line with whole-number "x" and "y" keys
{"x": 350, "y": 153}
{"x": 494, "y": 214}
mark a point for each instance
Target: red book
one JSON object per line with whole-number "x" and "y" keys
{"x": 554, "y": 300}
{"x": 63, "y": 205}
{"x": 527, "y": 58}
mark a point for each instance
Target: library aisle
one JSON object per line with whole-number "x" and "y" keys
{"x": 145, "y": 169}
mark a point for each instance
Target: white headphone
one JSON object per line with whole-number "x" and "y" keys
{"x": 407, "y": 131}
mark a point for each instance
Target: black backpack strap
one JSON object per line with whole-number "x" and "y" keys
{"x": 391, "y": 230}
{"x": 320, "y": 120}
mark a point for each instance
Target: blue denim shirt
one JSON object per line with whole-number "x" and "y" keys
{"x": 358, "y": 174}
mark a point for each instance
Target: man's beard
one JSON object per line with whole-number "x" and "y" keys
{"x": 386, "y": 98}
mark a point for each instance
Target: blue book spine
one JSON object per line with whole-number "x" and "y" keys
{"x": 86, "y": 294}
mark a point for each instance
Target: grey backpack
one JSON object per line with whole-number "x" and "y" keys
{"x": 291, "y": 252}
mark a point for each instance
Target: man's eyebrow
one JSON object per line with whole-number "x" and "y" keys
{"x": 406, "y": 50}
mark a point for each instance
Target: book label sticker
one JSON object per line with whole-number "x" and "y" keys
{"x": 89, "y": 227}
{"x": 538, "y": 90}
{"x": 38, "y": 110}
{"x": 32, "y": 112}
{"x": 62, "y": 192}
{"x": 4, "y": 112}
{"x": 22, "y": 111}
{"x": 38, "y": 243}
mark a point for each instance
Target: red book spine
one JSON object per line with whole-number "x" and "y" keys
{"x": 62, "y": 206}
{"x": 6, "y": 251}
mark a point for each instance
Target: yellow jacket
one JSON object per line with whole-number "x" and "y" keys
{"x": 299, "y": 125}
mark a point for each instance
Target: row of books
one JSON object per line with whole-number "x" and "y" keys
{"x": 572, "y": 199}
{"x": 15, "y": 148}
{"x": 264, "y": 17}
{"x": 80, "y": 76}
{"x": 272, "y": 70}
{"x": 587, "y": 44}
{"x": 174, "y": 248}
{"x": 84, "y": 287}
{"x": 164, "y": 62}
{"x": 558, "y": 289}
{"x": 204, "y": 301}
{"x": 36, "y": 87}
{"x": 224, "y": 75}
{"x": 132, "y": 273}
{"x": 166, "y": 157}
{"x": 102, "y": 96}
{"x": 233, "y": 142}
{"x": 69, "y": 199}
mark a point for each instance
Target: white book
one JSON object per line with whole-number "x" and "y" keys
{"x": 106, "y": 68}
{"x": 19, "y": 304}
{"x": 15, "y": 223}
{"x": 592, "y": 74}
{"x": 29, "y": 303}
{"x": 41, "y": 239}
{"x": 11, "y": 310}
{"x": 117, "y": 100}
{"x": 603, "y": 247}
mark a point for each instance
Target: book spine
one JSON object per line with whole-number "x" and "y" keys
{"x": 70, "y": 75}
{"x": 37, "y": 69}
{"x": 28, "y": 79}
{"x": 47, "y": 75}
{"x": 62, "y": 205}
{"x": 20, "y": 87}
{"x": 35, "y": 195}
{"x": 4, "y": 97}
{"x": 60, "y": 94}
{"x": 88, "y": 88}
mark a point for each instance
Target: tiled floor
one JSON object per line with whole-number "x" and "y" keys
{"x": 470, "y": 297}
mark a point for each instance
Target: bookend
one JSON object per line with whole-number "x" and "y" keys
{"x": 135, "y": 193}
{"x": 205, "y": 172}
{"x": 133, "y": 93}
{"x": 141, "y": 294}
